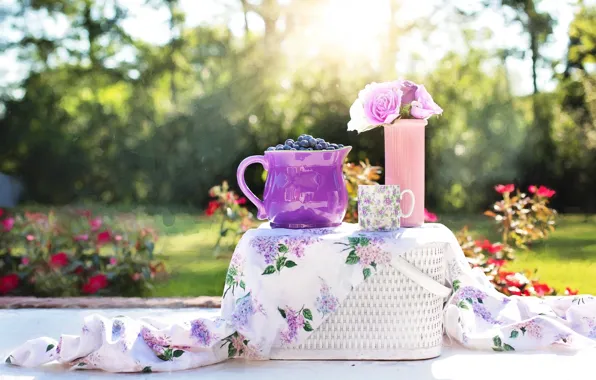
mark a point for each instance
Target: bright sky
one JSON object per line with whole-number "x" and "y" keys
{"x": 350, "y": 23}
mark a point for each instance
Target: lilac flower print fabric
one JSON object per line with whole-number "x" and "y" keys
{"x": 281, "y": 285}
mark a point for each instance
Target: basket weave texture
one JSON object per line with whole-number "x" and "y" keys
{"x": 387, "y": 317}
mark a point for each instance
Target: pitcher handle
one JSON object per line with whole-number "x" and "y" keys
{"x": 407, "y": 191}
{"x": 261, "y": 213}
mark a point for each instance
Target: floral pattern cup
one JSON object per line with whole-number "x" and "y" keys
{"x": 379, "y": 207}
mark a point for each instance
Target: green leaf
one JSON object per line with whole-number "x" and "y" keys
{"x": 8, "y": 360}
{"x": 514, "y": 334}
{"x": 364, "y": 241}
{"x": 456, "y": 284}
{"x": 499, "y": 349}
{"x": 307, "y": 326}
{"x": 147, "y": 370}
{"x": 245, "y": 341}
{"x": 81, "y": 364}
{"x": 374, "y": 265}
{"x": 270, "y": 269}
{"x": 307, "y": 314}
{"x": 352, "y": 258}
{"x": 366, "y": 272}
{"x": 353, "y": 241}
{"x": 290, "y": 264}
{"x": 463, "y": 305}
{"x": 497, "y": 341}
{"x": 280, "y": 262}
{"x": 49, "y": 347}
{"x": 470, "y": 301}
{"x": 523, "y": 330}
{"x": 479, "y": 300}
{"x": 178, "y": 353}
{"x": 282, "y": 312}
{"x": 242, "y": 285}
{"x": 508, "y": 347}
{"x": 282, "y": 248}
{"x": 232, "y": 271}
{"x": 231, "y": 351}
{"x": 163, "y": 357}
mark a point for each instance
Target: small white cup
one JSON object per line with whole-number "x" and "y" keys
{"x": 379, "y": 207}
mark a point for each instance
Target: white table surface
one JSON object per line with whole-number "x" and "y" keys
{"x": 17, "y": 326}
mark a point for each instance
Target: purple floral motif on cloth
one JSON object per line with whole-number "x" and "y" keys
{"x": 296, "y": 321}
{"x": 117, "y": 329}
{"x": 279, "y": 252}
{"x": 467, "y": 296}
{"x": 243, "y": 311}
{"x": 201, "y": 333}
{"x": 326, "y": 302}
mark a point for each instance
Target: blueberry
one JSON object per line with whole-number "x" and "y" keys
{"x": 318, "y": 147}
{"x": 320, "y": 141}
{"x": 312, "y": 142}
{"x": 335, "y": 146}
{"x": 293, "y": 149}
{"x": 301, "y": 137}
{"x": 325, "y": 145}
{"x": 287, "y": 147}
{"x": 308, "y": 137}
{"x": 289, "y": 142}
{"x": 340, "y": 145}
{"x": 308, "y": 148}
{"x": 302, "y": 148}
{"x": 279, "y": 146}
{"x": 270, "y": 148}
{"x": 304, "y": 143}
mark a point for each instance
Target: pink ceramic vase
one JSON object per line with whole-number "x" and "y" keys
{"x": 404, "y": 164}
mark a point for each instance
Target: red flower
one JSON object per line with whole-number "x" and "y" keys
{"x": 496, "y": 262}
{"x": 241, "y": 201}
{"x": 544, "y": 191}
{"x": 212, "y": 207}
{"x": 8, "y": 283}
{"x": 501, "y": 189}
{"x": 58, "y": 260}
{"x": 532, "y": 189}
{"x": 30, "y": 237}
{"x": 430, "y": 217}
{"x": 1, "y": 212}
{"x": 542, "y": 289}
{"x": 95, "y": 224}
{"x": 8, "y": 223}
{"x": 104, "y": 237}
{"x": 25, "y": 261}
{"x": 488, "y": 246}
{"x": 571, "y": 292}
{"x": 79, "y": 270}
{"x": 95, "y": 284}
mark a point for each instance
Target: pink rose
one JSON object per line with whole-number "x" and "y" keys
{"x": 8, "y": 223}
{"x": 83, "y": 237}
{"x": 95, "y": 224}
{"x": 25, "y": 261}
{"x": 113, "y": 261}
{"x": 424, "y": 106}
{"x": 382, "y": 102}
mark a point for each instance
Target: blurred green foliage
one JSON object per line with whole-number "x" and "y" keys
{"x": 168, "y": 122}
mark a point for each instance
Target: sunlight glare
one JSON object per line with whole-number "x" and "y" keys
{"x": 354, "y": 26}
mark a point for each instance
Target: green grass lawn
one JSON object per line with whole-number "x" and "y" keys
{"x": 565, "y": 259}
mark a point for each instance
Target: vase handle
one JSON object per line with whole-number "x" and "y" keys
{"x": 407, "y": 191}
{"x": 261, "y": 212}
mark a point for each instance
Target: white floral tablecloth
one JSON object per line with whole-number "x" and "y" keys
{"x": 282, "y": 284}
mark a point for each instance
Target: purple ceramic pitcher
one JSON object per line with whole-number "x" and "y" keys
{"x": 304, "y": 189}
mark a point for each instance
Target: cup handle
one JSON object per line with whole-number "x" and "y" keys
{"x": 261, "y": 212}
{"x": 407, "y": 191}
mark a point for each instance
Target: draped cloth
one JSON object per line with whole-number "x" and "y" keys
{"x": 282, "y": 284}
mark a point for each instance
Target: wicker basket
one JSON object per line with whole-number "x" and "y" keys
{"x": 387, "y": 317}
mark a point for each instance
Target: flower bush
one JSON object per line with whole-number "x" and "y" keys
{"x": 235, "y": 219}
{"x": 521, "y": 219}
{"x": 73, "y": 253}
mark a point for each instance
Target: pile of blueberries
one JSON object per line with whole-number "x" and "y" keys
{"x": 306, "y": 142}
